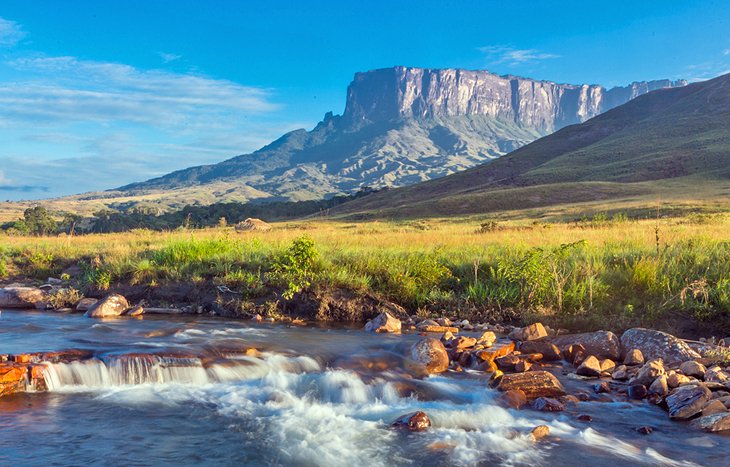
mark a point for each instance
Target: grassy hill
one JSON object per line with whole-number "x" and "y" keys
{"x": 670, "y": 145}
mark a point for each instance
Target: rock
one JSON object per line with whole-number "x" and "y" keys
{"x": 634, "y": 357}
{"x": 532, "y": 332}
{"x": 416, "y": 421}
{"x": 447, "y": 338}
{"x": 620, "y": 373}
{"x": 659, "y": 387}
{"x": 602, "y": 387}
{"x": 514, "y": 398}
{"x": 649, "y": 372}
{"x": 384, "y": 322}
{"x": 491, "y": 355}
{"x": 687, "y": 401}
{"x": 547, "y": 404}
{"x": 539, "y": 432}
{"x": 550, "y": 352}
{"x": 657, "y": 344}
{"x": 602, "y": 344}
{"x": 135, "y": 311}
{"x": 675, "y": 380}
{"x": 507, "y": 363}
{"x": 426, "y": 326}
{"x": 716, "y": 375}
{"x": 607, "y": 365}
{"x": 713, "y": 423}
{"x": 637, "y": 391}
{"x": 644, "y": 430}
{"x": 431, "y": 355}
{"x": 252, "y": 224}
{"x": 693, "y": 368}
{"x": 713, "y": 407}
{"x": 86, "y": 303}
{"x": 464, "y": 342}
{"x": 590, "y": 367}
{"x": 575, "y": 354}
{"x": 487, "y": 339}
{"x": 109, "y": 306}
{"x": 21, "y": 297}
{"x": 522, "y": 366}
{"x": 533, "y": 383}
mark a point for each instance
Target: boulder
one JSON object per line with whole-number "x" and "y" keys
{"x": 514, "y": 398}
{"x": 634, "y": 357}
{"x": 716, "y": 375}
{"x": 713, "y": 423}
{"x": 463, "y": 342}
{"x": 693, "y": 368}
{"x": 507, "y": 363}
{"x": 620, "y": 373}
{"x": 430, "y": 355}
{"x": 607, "y": 365}
{"x": 532, "y": 332}
{"x": 533, "y": 383}
{"x": 659, "y": 387}
{"x": 109, "y": 306}
{"x": 539, "y": 432}
{"x": 487, "y": 339}
{"x": 649, "y": 372}
{"x": 547, "y": 404}
{"x": 657, "y": 344}
{"x": 416, "y": 421}
{"x": 550, "y": 352}
{"x": 713, "y": 407}
{"x": 602, "y": 344}
{"x": 252, "y": 224}
{"x": 687, "y": 401}
{"x": 590, "y": 367}
{"x": 675, "y": 380}
{"x": 384, "y": 322}
{"x": 522, "y": 366}
{"x": 637, "y": 391}
{"x": 21, "y": 297}
{"x": 137, "y": 310}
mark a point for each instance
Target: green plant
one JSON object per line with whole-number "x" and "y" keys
{"x": 293, "y": 268}
{"x": 64, "y": 298}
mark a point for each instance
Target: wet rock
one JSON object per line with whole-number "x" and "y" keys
{"x": 533, "y": 383}
{"x": 532, "y": 332}
{"x": 687, "y": 401}
{"x": 550, "y": 352}
{"x": 425, "y": 327}
{"x": 637, "y": 391}
{"x": 491, "y": 355}
{"x": 463, "y": 342}
{"x": 487, "y": 339}
{"x": 620, "y": 373}
{"x": 416, "y": 421}
{"x": 649, "y": 372}
{"x": 601, "y": 344}
{"x": 21, "y": 297}
{"x": 584, "y": 418}
{"x": 514, "y": 398}
{"x": 634, "y": 357}
{"x": 12, "y": 378}
{"x": 507, "y": 363}
{"x": 431, "y": 355}
{"x": 713, "y": 423}
{"x": 657, "y": 344}
{"x": 447, "y": 338}
{"x": 86, "y": 303}
{"x": 522, "y": 366}
{"x": 712, "y": 407}
{"x": 602, "y": 387}
{"x": 659, "y": 387}
{"x": 645, "y": 430}
{"x": 590, "y": 367}
{"x": 109, "y": 306}
{"x": 540, "y": 432}
{"x": 135, "y": 311}
{"x": 384, "y": 322}
{"x": 693, "y": 368}
{"x": 547, "y": 404}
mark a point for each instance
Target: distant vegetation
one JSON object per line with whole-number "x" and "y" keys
{"x": 597, "y": 272}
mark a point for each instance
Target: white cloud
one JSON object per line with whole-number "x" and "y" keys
{"x": 500, "y": 54}
{"x": 168, "y": 57}
{"x": 726, "y": 52}
{"x": 10, "y": 33}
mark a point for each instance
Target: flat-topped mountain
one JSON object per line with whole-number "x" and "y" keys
{"x": 400, "y": 126}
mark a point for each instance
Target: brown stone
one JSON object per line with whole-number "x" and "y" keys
{"x": 634, "y": 357}
{"x": 507, "y": 363}
{"x": 693, "y": 368}
{"x": 657, "y": 344}
{"x": 547, "y": 404}
{"x": 522, "y": 366}
{"x": 514, "y": 398}
{"x": 533, "y": 383}
{"x": 540, "y": 432}
{"x": 550, "y": 352}
{"x": 675, "y": 380}
{"x": 430, "y": 355}
{"x": 532, "y": 332}
{"x": 620, "y": 373}
{"x": 137, "y": 310}
{"x": 716, "y": 375}
{"x": 487, "y": 339}
{"x": 21, "y": 297}
{"x": 384, "y": 323}
{"x": 607, "y": 365}
{"x": 589, "y": 367}
{"x": 500, "y": 352}
{"x": 637, "y": 391}
{"x": 110, "y": 306}
{"x": 416, "y": 421}
{"x": 645, "y": 430}
{"x": 713, "y": 423}
{"x": 85, "y": 303}
{"x": 687, "y": 401}
{"x": 649, "y": 372}
{"x": 713, "y": 407}
{"x": 602, "y": 344}
{"x": 574, "y": 352}
{"x": 659, "y": 387}
{"x": 463, "y": 342}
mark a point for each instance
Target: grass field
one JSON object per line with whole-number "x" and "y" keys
{"x": 604, "y": 272}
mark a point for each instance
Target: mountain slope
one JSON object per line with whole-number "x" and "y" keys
{"x": 400, "y": 126}
{"x": 677, "y": 138}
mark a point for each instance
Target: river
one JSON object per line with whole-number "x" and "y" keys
{"x": 307, "y": 396}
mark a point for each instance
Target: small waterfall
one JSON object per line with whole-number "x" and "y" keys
{"x": 120, "y": 370}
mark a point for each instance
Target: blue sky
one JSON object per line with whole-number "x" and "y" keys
{"x": 94, "y": 95}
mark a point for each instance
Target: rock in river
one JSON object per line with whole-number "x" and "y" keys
{"x": 109, "y": 306}
{"x": 686, "y": 401}
{"x": 20, "y": 297}
{"x": 602, "y": 344}
{"x": 430, "y": 355}
{"x": 384, "y": 322}
{"x": 657, "y": 344}
{"x": 712, "y": 423}
{"x": 533, "y": 383}
{"x": 416, "y": 421}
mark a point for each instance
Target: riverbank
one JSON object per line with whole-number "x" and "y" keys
{"x": 600, "y": 273}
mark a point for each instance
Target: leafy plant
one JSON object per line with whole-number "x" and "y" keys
{"x": 294, "y": 267}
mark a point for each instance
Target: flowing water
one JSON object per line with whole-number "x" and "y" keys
{"x": 182, "y": 391}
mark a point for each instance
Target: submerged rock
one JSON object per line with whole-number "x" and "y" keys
{"x": 687, "y": 401}
{"x": 539, "y": 432}
{"x": 658, "y": 344}
{"x": 602, "y": 344}
{"x": 533, "y": 383}
{"x": 416, "y": 421}
{"x": 109, "y": 306}
{"x": 430, "y": 355}
{"x": 384, "y": 322}
{"x": 21, "y": 297}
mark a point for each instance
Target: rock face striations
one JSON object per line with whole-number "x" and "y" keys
{"x": 400, "y": 126}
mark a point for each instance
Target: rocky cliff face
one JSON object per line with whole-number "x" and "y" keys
{"x": 401, "y": 93}
{"x": 400, "y": 126}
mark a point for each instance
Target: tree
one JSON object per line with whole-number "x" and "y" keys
{"x": 69, "y": 222}
{"x": 39, "y": 222}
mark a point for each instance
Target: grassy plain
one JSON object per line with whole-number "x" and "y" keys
{"x": 603, "y": 272}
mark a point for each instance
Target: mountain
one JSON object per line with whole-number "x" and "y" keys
{"x": 400, "y": 126}
{"x": 669, "y": 144}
